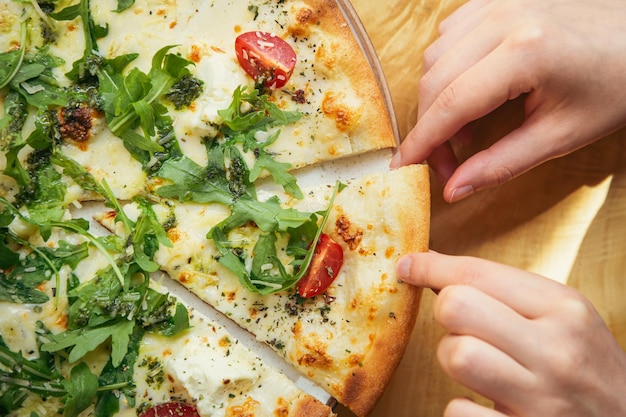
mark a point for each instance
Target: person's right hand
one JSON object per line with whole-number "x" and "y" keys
{"x": 535, "y": 347}
{"x": 567, "y": 56}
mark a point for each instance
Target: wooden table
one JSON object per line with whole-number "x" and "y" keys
{"x": 565, "y": 219}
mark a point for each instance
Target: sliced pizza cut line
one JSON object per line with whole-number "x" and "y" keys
{"x": 334, "y": 89}
{"x": 349, "y": 338}
{"x": 169, "y": 129}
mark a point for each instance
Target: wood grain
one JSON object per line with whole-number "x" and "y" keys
{"x": 565, "y": 219}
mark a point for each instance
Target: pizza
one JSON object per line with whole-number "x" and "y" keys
{"x": 151, "y": 145}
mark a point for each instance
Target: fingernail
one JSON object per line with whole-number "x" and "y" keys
{"x": 396, "y": 160}
{"x": 460, "y": 193}
{"x": 403, "y": 268}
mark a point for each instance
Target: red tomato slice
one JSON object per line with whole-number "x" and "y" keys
{"x": 265, "y": 57}
{"x": 324, "y": 268}
{"x": 172, "y": 409}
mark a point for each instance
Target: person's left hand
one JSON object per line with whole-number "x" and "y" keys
{"x": 532, "y": 345}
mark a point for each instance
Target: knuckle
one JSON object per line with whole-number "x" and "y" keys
{"x": 577, "y": 307}
{"x": 460, "y": 357}
{"x": 494, "y": 169}
{"x": 447, "y": 100}
{"x": 502, "y": 174}
{"x": 427, "y": 86}
{"x": 430, "y": 56}
{"x": 452, "y": 303}
{"x": 573, "y": 353}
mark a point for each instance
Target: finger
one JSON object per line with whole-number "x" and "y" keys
{"x": 455, "y": 29}
{"x": 464, "y": 407}
{"x": 528, "y": 294}
{"x": 465, "y": 310}
{"x": 484, "y": 369}
{"x": 453, "y": 54}
{"x": 538, "y": 140}
{"x": 473, "y": 94}
{"x": 443, "y": 162}
{"x": 467, "y": 11}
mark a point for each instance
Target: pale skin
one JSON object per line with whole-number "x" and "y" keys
{"x": 568, "y": 57}
{"x": 533, "y": 346}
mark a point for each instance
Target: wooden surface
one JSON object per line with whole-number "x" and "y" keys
{"x": 565, "y": 219}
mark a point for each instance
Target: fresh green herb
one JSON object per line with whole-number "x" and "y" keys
{"x": 35, "y": 81}
{"x": 104, "y": 310}
{"x": 12, "y": 60}
{"x": 41, "y": 376}
{"x": 133, "y": 100}
{"x": 241, "y": 127}
{"x": 123, "y": 5}
{"x": 21, "y": 276}
{"x": 87, "y": 66}
{"x": 184, "y": 91}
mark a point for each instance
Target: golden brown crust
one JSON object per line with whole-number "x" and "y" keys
{"x": 369, "y": 126}
{"x": 310, "y": 407}
{"x": 409, "y": 203}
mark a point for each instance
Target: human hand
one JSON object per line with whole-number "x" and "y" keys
{"x": 568, "y": 57}
{"x": 532, "y": 345}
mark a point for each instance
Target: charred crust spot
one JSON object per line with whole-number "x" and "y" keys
{"x": 247, "y": 409}
{"x": 355, "y": 360}
{"x": 224, "y": 342}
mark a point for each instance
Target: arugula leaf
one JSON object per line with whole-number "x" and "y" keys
{"x": 8, "y": 258}
{"x": 147, "y": 236}
{"x": 35, "y": 82}
{"x": 84, "y": 340}
{"x": 133, "y": 100}
{"x": 262, "y": 115}
{"x": 20, "y": 283}
{"x": 192, "y": 182}
{"x": 11, "y": 136}
{"x": 123, "y": 5}
{"x": 108, "y": 403}
{"x": 90, "y": 62}
{"x": 77, "y": 172}
{"x": 12, "y": 60}
{"x": 81, "y": 388}
{"x": 40, "y": 376}
{"x": 300, "y": 229}
{"x": 13, "y": 120}
{"x": 241, "y": 127}
{"x": 103, "y": 310}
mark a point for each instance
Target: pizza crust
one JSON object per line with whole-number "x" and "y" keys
{"x": 350, "y": 339}
{"x": 405, "y": 229}
{"x": 368, "y": 123}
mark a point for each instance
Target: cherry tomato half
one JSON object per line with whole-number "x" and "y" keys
{"x": 265, "y": 57}
{"x": 171, "y": 409}
{"x": 324, "y": 268}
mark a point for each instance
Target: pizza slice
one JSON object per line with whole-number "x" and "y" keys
{"x": 172, "y": 115}
{"x": 346, "y": 322}
{"x": 122, "y": 99}
{"x": 85, "y": 331}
